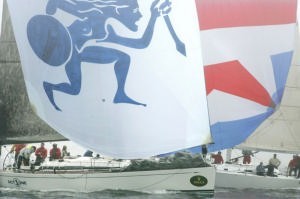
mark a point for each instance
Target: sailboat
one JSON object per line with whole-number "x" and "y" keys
{"x": 279, "y": 133}
{"x": 75, "y": 62}
{"x": 248, "y": 50}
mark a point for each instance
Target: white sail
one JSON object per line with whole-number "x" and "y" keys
{"x": 280, "y": 132}
{"x": 76, "y": 65}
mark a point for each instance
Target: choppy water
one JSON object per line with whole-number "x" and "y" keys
{"x": 109, "y": 194}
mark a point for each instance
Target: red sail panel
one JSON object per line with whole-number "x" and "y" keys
{"x": 232, "y": 13}
{"x": 231, "y": 77}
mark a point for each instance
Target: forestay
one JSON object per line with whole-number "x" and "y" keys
{"x": 247, "y": 52}
{"x": 123, "y": 78}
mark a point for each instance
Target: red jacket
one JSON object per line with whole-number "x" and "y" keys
{"x": 55, "y": 153}
{"x": 17, "y": 148}
{"x": 41, "y": 152}
{"x": 293, "y": 163}
{"x": 218, "y": 159}
{"x": 247, "y": 159}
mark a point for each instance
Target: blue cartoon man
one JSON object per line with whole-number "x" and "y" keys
{"x": 66, "y": 45}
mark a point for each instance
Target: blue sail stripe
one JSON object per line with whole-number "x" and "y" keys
{"x": 238, "y": 130}
{"x": 281, "y": 65}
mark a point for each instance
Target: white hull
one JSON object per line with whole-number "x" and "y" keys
{"x": 175, "y": 179}
{"x": 246, "y": 180}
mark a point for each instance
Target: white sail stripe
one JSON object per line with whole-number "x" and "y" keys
{"x": 229, "y": 44}
{"x": 239, "y": 108}
{"x": 251, "y": 46}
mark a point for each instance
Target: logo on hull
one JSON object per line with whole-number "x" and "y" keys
{"x": 17, "y": 182}
{"x": 198, "y": 181}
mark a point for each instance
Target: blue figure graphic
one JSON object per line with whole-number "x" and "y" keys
{"x": 55, "y": 44}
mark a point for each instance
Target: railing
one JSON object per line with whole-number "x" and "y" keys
{"x": 4, "y": 167}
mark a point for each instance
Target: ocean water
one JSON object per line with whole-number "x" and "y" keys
{"x": 109, "y": 194}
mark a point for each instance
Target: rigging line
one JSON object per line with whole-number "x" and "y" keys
{"x": 5, "y": 149}
{"x": 256, "y": 135}
{"x": 257, "y": 159}
{"x": 9, "y": 62}
{"x": 11, "y": 41}
{"x": 291, "y": 132}
{"x": 4, "y": 161}
{"x": 271, "y": 123}
{"x": 290, "y": 106}
{"x": 241, "y": 156}
{"x": 287, "y": 86}
{"x": 295, "y": 120}
{"x": 8, "y": 153}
